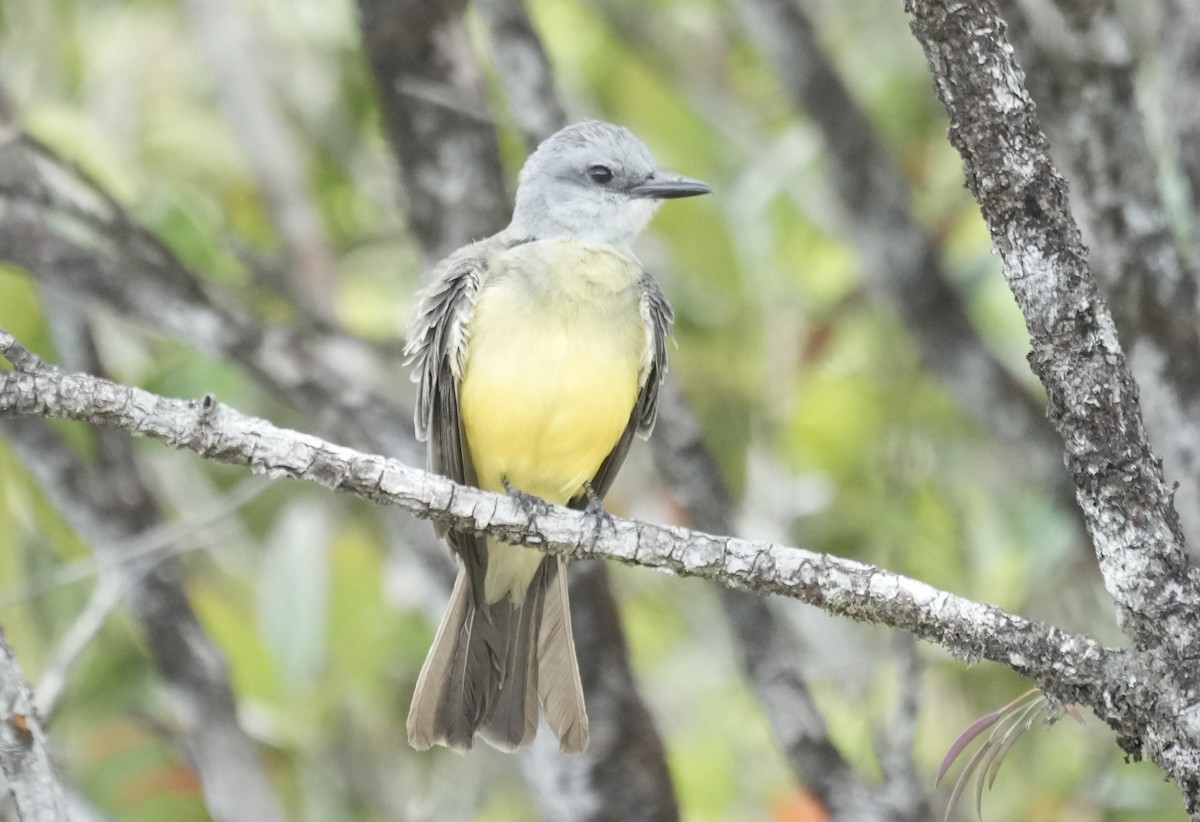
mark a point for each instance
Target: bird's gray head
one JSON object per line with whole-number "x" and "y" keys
{"x": 595, "y": 181}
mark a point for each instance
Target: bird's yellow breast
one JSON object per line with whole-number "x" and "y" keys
{"x": 550, "y": 378}
{"x": 551, "y": 372}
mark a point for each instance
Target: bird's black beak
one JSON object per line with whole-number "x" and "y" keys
{"x": 669, "y": 187}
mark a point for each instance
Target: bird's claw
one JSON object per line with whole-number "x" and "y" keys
{"x": 598, "y": 513}
{"x": 533, "y": 506}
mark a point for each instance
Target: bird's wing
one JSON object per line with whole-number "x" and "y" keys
{"x": 436, "y": 350}
{"x": 658, "y": 317}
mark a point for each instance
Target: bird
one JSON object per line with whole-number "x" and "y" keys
{"x": 537, "y": 354}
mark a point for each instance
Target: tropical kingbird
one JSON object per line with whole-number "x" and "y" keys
{"x": 538, "y": 354}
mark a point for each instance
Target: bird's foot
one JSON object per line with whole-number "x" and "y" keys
{"x": 533, "y": 507}
{"x": 598, "y": 513}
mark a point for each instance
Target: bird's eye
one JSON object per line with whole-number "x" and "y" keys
{"x": 600, "y": 174}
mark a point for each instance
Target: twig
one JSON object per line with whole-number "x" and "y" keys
{"x": 105, "y": 597}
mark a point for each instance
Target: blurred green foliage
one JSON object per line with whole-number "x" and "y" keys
{"x": 805, "y": 388}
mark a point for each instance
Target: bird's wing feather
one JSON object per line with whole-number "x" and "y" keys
{"x": 658, "y": 317}
{"x": 436, "y": 350}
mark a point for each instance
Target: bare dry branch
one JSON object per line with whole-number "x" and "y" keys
{"x": 1092, "y": 396}
{"x": 1080, "y": 71}
{"x": 1068, "y": 666}
{"x": 24, "y": 759}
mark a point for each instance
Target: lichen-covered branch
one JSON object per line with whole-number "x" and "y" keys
{"x": 1081, "y": 73}
{"x": 1070, "y": 667}
{"x": 24, "y": 759}
{"x": 1093, "y": 400}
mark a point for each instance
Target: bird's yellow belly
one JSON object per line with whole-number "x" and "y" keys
{"x": 542, "y": 408}
{"x": 548, "y": 387}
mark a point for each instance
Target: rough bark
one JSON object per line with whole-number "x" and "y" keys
{"x": 24, "y": 758}
{"x": 1093, "y": 400}
{"x": 1080, "y": 69}
{"x": 1070, "y": 667}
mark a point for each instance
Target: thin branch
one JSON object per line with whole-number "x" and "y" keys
{"x": 1070, "y": 667}
{"x": 24, "y": 758}
{"x": 107, "y": 501}
{"x": 228, "y": 38}
{"x": 901, "y": 263}
{"x": 1093, "y": 400}
{"x": 106, "y": 505}
{"x": 106, "y": 596}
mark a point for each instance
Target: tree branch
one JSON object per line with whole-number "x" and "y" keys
{"x": 1080, "y": 71}
{"x": 901, "y": 264}
{"x": 24, "y": 759}
{"x": 108, "y": 503}
{"x": 1070, "y": 667}
{"x": 1093, "y": 400}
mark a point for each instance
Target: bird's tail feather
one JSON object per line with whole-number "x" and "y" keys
{"x": 458, "y": 677}
{"x": 559, "y": 687}
{"x": 490, "y": 665}
{"x": 512, "y": 716}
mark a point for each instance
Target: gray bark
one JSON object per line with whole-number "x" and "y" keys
{"x": 24, "y": 758}
{"x": 1073, "y": 668}
{"x": 1081, "y": 74}
{"x": 1093, "y": 400}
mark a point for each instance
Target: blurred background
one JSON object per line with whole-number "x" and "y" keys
{"x": 235, "y": 213}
